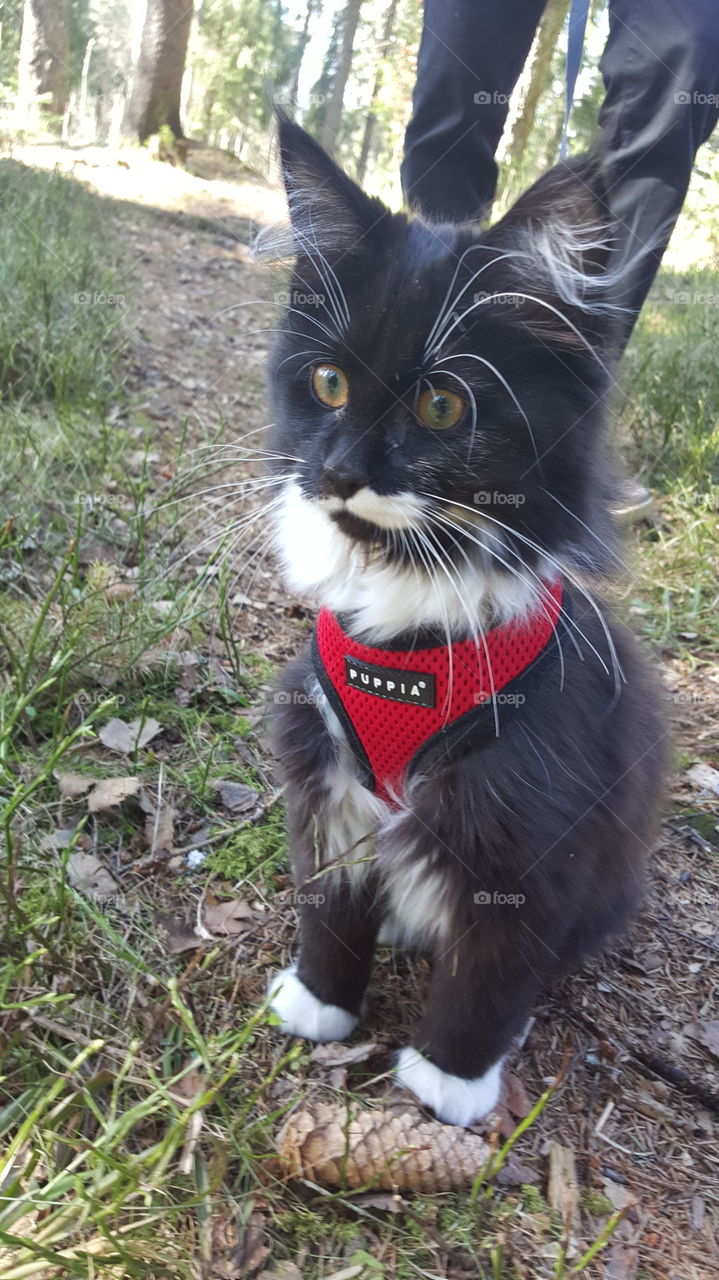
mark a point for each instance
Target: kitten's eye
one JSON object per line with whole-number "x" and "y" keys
{"x": 330, "y": 385}
{"x": 439, "y": 409}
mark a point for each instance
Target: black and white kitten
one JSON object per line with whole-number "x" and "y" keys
{"x": 439, "y": 400}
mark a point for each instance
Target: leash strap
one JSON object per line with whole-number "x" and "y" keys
{"x": 578, "y": 15}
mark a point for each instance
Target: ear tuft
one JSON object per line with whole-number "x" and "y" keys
{"x": 330, "y": 216}
{"x": 561, "y": 235}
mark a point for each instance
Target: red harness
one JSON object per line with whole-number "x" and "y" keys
{"x": 393, "y": 701}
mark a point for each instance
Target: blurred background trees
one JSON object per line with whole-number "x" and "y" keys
{"x": 44, "y": 57}
{"x": 106, "y": 70}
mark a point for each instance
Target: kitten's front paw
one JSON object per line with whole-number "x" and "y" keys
{"x": 302, "y": 1014}
{"x": 452, "y": 1098}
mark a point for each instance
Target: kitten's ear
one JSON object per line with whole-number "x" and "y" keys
{"x": 559, "y": 241}
{"x": 328, "y": 211}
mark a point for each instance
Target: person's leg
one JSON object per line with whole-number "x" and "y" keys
{"x": 661, "y": 72}
{"x": 470, "y": 58}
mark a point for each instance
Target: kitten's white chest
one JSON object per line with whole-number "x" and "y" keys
{"x": 360, "y": 834}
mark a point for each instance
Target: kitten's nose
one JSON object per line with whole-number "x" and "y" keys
{"x": 343, "y": 474}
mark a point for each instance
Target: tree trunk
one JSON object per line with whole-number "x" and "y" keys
{"x": 371, "y": 122}
{"x": 333, "y": 113}
{"x": 157, "y": 76}
{"x": 311, "y": 9}
{"x": 44, "y": 65}
{"x": 539, "y": 74}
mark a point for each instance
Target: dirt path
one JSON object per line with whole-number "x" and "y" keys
{"x": 637, "y": 1033}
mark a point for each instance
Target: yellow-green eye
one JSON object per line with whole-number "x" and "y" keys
{"x": 330, "y": 385}
{"x": 440, "y": 409}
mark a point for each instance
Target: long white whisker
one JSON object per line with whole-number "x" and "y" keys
{"x": 440, "y": 335}
{"x": 339, "y": 299}
{"x": 529, "y": 297}
{"x": 420, "y": 541}
{"x": 332, "y": 311}
{"x": 244, "y": 488}
{"x": 313, "y": 320}
{"x": 295, "y": 355}
{"x": 483, "y": 638}
{"x": 239, "y": 524}
{"x": 493, "y": 369}
{"x": 591, "y": 532}
{"x": 561, "y": 568}
{"x": 449, "y": 524}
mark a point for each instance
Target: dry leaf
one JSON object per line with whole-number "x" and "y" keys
{"x": 706, "y": 1033}
{"x": 237, "y": 797}
{"x": 111, "y": 791}
{"x": 384, "y": 1200}
{"x": 228, "y": 918}
{"x": 159, "y": 824}
{"x": 336, "y": 1054}
{"x": 117, "y": 735}
{"x": 223, "y": 1247}
{"x": 86, "y": 873}
{"x": 63, "y": 838}
{"x": 698, "y": 1212}
{"x": 516, "y": 1174}
{"x": 704, "y": 777}
{"x": 220, "y": 919}
{"x": 327, "y": 1145}
{"x": 515, "y": 1096}
{"x": 563, "y": 1188}
{"x": 505, "y": 1122}
{"x": 188, "y": 1087}
{"x": 160, "y": 829}
{"x": 643, "y": 1102}
{"x": 73, "y": 785}
{"x": 622, "y": 1261}
{"x": 180, "y": 935}
{"x": 618, "y": 1196}
{"x": 253, "y": 1250}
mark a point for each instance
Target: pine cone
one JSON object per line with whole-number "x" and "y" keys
{"x": 332, "y": 1146}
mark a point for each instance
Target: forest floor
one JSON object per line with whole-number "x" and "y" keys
{"x": 185, "y": 1076}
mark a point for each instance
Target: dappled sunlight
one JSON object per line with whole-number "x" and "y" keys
{"x": 226, "y": 189}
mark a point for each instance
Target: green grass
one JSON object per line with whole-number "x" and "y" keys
{"x": 672, "y": 412}
{"x": 137, "y": 1109}
{"x": 670, "y": 426}
{"x": 61, "y": 306}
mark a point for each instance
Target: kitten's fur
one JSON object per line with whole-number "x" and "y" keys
{"x": 381, "y": 521}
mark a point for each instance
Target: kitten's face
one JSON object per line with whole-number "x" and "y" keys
{"x": 437, "y": 391}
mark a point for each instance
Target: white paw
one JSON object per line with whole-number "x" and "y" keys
{"x": 452, "y": 1098}
{"x": 302, "y": 1014}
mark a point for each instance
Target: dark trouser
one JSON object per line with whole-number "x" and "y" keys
{"x": 661, "y": 75}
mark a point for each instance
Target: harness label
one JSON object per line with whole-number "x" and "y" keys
{"x": 414, "y": 687}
